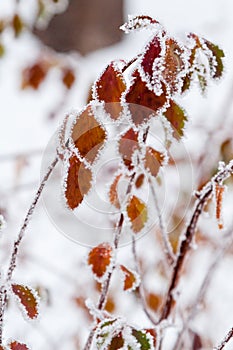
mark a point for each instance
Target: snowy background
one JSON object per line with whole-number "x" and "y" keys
{"x": 56, "y": 265}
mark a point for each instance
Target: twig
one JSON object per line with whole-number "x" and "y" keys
{"x": 225, "y": 340}
{"x": 186, "y": 243}
{"x": 167, "y": 245}
{"x": 17, "y": 242}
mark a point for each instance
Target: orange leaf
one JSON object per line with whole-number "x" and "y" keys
{"x": 139, "y": 94}
{"x": 28, "y": 298}
{"x": 128, "y": 144}
{"x": 139, "y": 180}
{"x": 18, "y": 346}
{"x": 88, "y": 135}
{"x": 154, "y": 301}
{"x": 68, "y": 77}
{"x": 153, "y": 51}
{"x": 109, "y": 88}
{"x": 34, "y": 75}
{"x": 78, "y": 182}
{"x": 113, "y": 195}
{"x": 137, "y": 213}
{"x": 131, "y": 280}
{"x": 153, "y": 160}
{"x": 100, "y": 258}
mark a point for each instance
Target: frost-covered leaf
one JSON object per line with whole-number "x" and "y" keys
{"x": 77, "y": 182}
{"x": 117, "y": 342}
{"x": 153, "y": 333}
{"x": 153, "y": 160}
{"x": 17, "y": 25}
{"x": 143, "y": 338}
{"x": 139, "y": 94}
{"x": 153, "y": 51}
{"x": 139, "y": 180}
{"x": 215, "y": 61}
{"x": 138, "y": 22}
{"x": 68, "y": 77}
{"x": 109, "y": 88}
{"x": 28, "y": 299}
{"x": 18, "y": 346}
{"x": 100, "y": 258}
{"x": 113, "y": 194}
{"x": 34, "y": 75}
{"x": 137, "y": 213}
{"x": 131, "y": 279}
{"x": 128, "y": 144}
{"x": 177, "y": 117}
{"x": 88, "y": 135}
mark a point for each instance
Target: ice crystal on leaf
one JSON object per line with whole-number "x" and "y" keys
{"x": 138, "y": 23}
{"x": 18, "y": 346}
{"x": 28, "y": 300}
{"x": 100, "y": 259}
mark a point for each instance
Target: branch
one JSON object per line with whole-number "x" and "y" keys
{"x": 186, "y": 242}
{"x": 224, "y": 342}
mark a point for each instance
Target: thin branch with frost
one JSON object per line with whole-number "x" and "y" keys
{"x": 186, "y": 243}
{"x": 167, "y": 245}
{"x": 224, "y": 342}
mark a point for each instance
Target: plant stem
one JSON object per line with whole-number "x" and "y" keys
{"x": 186, "y": 242}
{"x": 225, "y": 340}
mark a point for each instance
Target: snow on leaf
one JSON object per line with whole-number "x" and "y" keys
{"x": 138, "y": 22}
{"x": 131, "y": 279}
{"x": 28, "y": 299}
{"x": 77, "y": 182}
{"x": 100, "y": 258}
{"x": 215, "y": 60}
{"x": 88, "y": 135}
{"x": 68, "y": 77}
{"x": 109, "y": 88}
{"x": 153, "y": 51}
{"x": 139, "y": 94}
{"x": 137, "y": 213}
{"x": 128, "y": 144}
{"x": 18, "y": 346}
{"x": 34, "y": 75}
{"x": 113, "y": 195}
{"x": 153, "y": 160}
{"x": 177, "y": 117}
{"x": 143, "y": 338}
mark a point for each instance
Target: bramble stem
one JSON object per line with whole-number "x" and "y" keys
{"x": 186, "y": 242}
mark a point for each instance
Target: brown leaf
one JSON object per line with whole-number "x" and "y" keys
{"x": 34, "y": 75}
{"x": 68, "y": 77}
{"x": 100, "y": 258}
{"x": 109, "y": 88}
{"x": 139, "y": 180}
{"x": 88, "y": 135}
{"x": 153, "y": 160}
{"x": 139, "y": 94}
{"x": 18, "y": 346}
{"x": 219, "y": 191}
{"x": 117, "y": 342}
{"x": 177, "y": 117}
{"x": 27, "y": 298}
{"x": 154, "y": 301}
{"x": 130, "y": 279}
{"x": 78, "y": 182}
{"x": 17, "y": 25}
{"x": 113, "y": 195}
{"x": 128, "y": 144}
{"x": 137, "y": 213}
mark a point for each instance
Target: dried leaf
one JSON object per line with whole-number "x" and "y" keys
{"x": 139, "y": 94}
{"x": 128, "y": 144}
{"x": 116, "y": 343}
{"x": 177, "y": 117}
{"x": 131, "y": 279}
{"x": 100, "y": 258}
{"x": 17, "y": 25}
{"x": 219, "y": 191}
{"x": 139, "y": 180}
{"x": 143, "y": 339}
{"x": 113, "y": 195}
{"x": 88, "y": 135}
{"x": 68, "y": 77}
{"x": 153, "y": 160}
{"x": 34, "y": 75}
{"x": 215, "y": 62}
{"x": 28, "y": 298}
{"x": 109, "y": 88}
{"x": 18, "y": 346}
{"x": 153, "y": 51}
{"x": 137, "y": 213}
{"x": 77, "y": 182}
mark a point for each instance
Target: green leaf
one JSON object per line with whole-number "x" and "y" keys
{"x": 177, "y": 117}
{"x": 215, "y": 62}
{"x": 142, "y": 339}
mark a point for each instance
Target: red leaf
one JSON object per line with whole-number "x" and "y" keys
{"x": 88, "y": 135}
{"x": 34, "y": 75}
{"x": 109, "y": 88}
{"x": 177, "y": 117}
{"x": 68, "y": 77}
{"x": 77, "y": 183}
{"x": 128, "y": 144}
{"x": 131, "y": 280}
{"x": 153, "y": 50}
{"x": 100, "y": 258}
{"x": 139, "y": 94}
{"x": 153, "y": 160}
{"x": 18, "y": 346}
{"x": 28, "y": 298}
{"x": 113, "y": 195}
{"x": 137, "y": 213}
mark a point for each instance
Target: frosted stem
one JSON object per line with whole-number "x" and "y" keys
{"x": 186, "y": 242}
{"x": 225, "y": 340}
